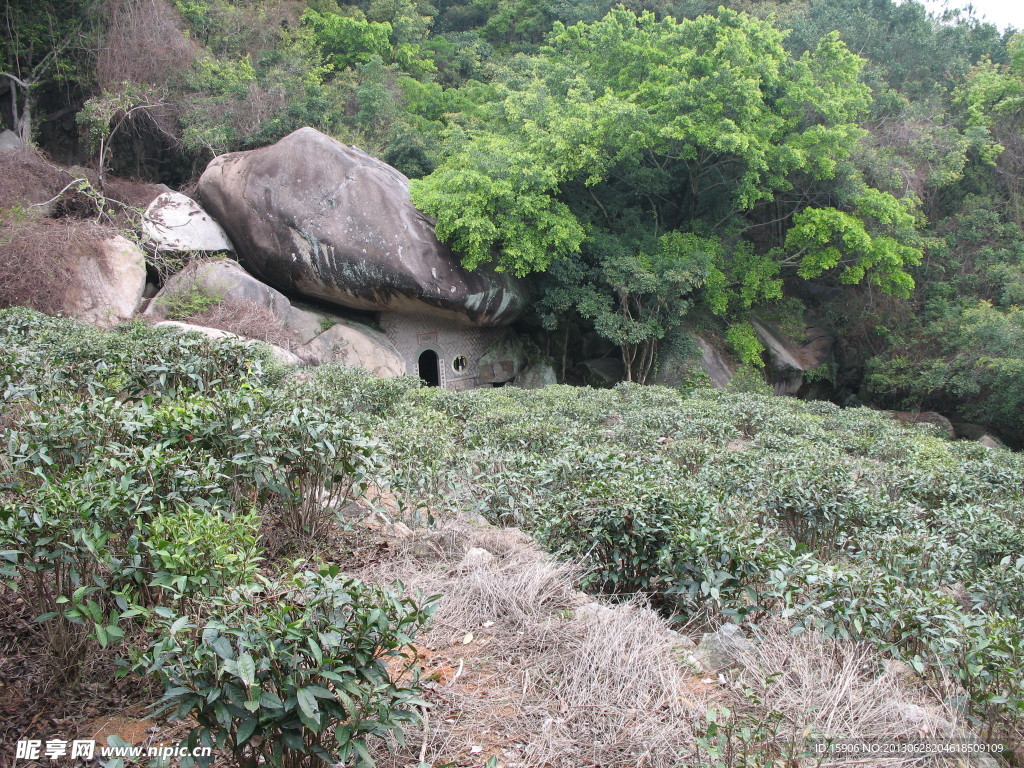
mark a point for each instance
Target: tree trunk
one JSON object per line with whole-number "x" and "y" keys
{"x": 23, "y": 118}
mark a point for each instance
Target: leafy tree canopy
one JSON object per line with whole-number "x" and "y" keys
{"x": 642, "y": 160}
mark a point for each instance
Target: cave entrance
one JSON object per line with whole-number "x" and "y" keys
{"x": 429, "y": 369}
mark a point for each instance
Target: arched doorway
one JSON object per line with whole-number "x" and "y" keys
{"x": 429, "y": 369}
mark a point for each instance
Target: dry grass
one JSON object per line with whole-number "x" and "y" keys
{"x": 825, "y": 688}
{"x": 519, "y": 669}
{"x": 245, "y": 318}
{"x": 28, "y": 178}
{"x": 37, "y": 258}
{"x": 145, "y": 43}
{"x": 521, "y": 666}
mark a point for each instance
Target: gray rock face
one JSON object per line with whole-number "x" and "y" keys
{"x": 221, "y": 278}
{"x": 355, "y": 345}
{"x": 603, "y": 373}
{"x": 174, "y": 222}
{"x": 503, "y": 360}
{"x": 675, "y": 370}
{"x": 538, "y": 374}
{"x": 9, "y": 141}
{"x": 324, "y": 338}
{"x": 312, "y": 216}
{"x": 925, "y": 417}
{"x": 990, "y": 442}
{"x": 722, "y": 649}
{"x": 108, "y": 283}
{"x": 788, "y": 362}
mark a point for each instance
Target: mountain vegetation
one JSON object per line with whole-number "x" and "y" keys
{"x": 184, "y": 502}
{"x": 212, "y": 532}
{"x": 654, "y": 168}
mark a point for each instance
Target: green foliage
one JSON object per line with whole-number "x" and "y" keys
{"x": 745, "y": 345}
{"x": 503, "y": 200}
{"x": 185, "y": 304}
{"x": 975, "y": 361}
{"x": 611, "y": 515}
{"x": 347, "y": 40}
{"x": 827, "y": 238}
{"x": 142, "y": 465}
{"x": 132, "y": 489}
{"x": 194, "y": 551}
{"x": 286, "y": 673}
{"x": 630, "y": 156}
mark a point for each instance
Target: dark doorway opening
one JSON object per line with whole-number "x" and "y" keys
{"x": 429, "y": 370}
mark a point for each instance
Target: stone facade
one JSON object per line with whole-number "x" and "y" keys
{"x": 458, "y": 347}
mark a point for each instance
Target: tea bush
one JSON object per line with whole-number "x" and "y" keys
{"x": 152, "y": 457}
{"x": 291, "y": 673}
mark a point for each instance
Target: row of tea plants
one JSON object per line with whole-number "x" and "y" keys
{"x": 146, "y": 478}
{"x": 162, "y": 466}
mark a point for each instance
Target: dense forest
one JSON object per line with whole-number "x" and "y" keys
{"x": 654, "y": 168}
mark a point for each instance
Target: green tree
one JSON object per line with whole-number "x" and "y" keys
{"x": 348, "y": 40}
{"x": 45, "y": 43}
{"x": 642, "y": 161}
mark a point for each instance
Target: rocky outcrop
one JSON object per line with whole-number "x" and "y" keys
{"x": 925, "y": 417}
{"x": 107, "y": 281}
{"x": 279, "y": 354}
{"x": 602, "y": 373}
{"x": 538, "y": 374}
{"x": 789, "y": 361}
{"x": 312, "y": 216}
{"x": 722, "y": 649}
{"x": 322, "y": 338}
{"x": 215, "y": 279}
{"x": 503, "y": 360}
{"x": 675, "y": 370}
{"x": 9, "y": 141}
{"x": 176, "y": 223}
{"x": 355, "y": 345}
{"x": 980, "y": 434}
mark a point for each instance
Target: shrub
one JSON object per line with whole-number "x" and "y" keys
{"x": 289, "y": 674}
{"x": 618, "y": 520}
{"x": 346, "y": 389}
{"x": 56, "y": 551}
{"x": 194, "y": 552}
{"x": 189, "y": 303}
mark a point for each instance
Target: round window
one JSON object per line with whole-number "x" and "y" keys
{"x": 460, "y": 363}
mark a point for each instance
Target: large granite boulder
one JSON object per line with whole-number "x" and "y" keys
{"x": 355, "y": 345}
{"x": 538, "y": 374}
{"x": 926, "y": 417}
{"x": 106, "y": 282}
{"x": 312, "y": 216}
{"x": 602, "y": 373}
{"x": 504, "y": 359}
{"x": 176, "y": 223}
{"x": 316, "y": 337}
{"x": 9, "y": 141}
{"x": 676, "y": 370}
{"x": 278, "y": 354}
{"x": 216, "y": 279}
{"x": 788, "y": 360}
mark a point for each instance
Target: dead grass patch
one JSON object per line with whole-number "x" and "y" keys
{"x": 513, "y": 668}
{"x": 245, "y": 318}
{"x": 37, "y": 258}
{"x": 832, "y": 689}
{"x": 28, "y": 178}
